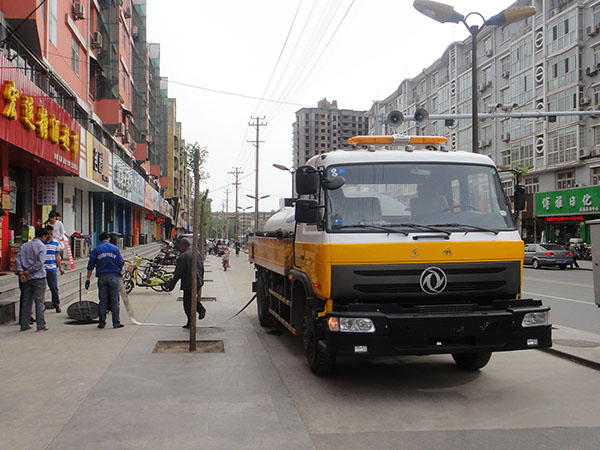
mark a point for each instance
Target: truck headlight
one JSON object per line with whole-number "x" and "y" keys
{"x": 356, "y": 325}
{"x": 536, "y": 319}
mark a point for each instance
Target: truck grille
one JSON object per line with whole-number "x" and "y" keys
{"x": 465, "y": 282}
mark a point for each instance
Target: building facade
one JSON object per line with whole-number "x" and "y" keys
{"x": 548, "y": 62}
{"x": 325, "y": 128}
{"x": 81, "y": 123}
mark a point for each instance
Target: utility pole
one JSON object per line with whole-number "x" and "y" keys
{"x": 257, "y": 123}
{"x": 236, "y": 173}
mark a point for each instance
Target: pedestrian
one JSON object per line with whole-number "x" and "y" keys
{"x": 58, "y": 229}
{"x": 30, "y": 269}
{"x": 183, "y": 272}
{"x": 52, "y": 266}
{"x": 237, "y": 248}
{"x": 107, "y": 260}
{"x": 574, "y": 249}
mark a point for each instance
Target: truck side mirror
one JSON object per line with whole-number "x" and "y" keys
{"x": 307, "y": 180}
{"x": 307, "y": 211}
{"x": 519, "y": 197}
{"x": 331, "y": 184}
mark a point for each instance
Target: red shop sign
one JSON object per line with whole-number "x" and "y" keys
{"x": 34, "y": 122}
{"x": 565, "y": 219}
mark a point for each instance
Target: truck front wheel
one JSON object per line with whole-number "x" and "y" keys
{"x": 318, "y": 360}
{"x": 471, "y": 361}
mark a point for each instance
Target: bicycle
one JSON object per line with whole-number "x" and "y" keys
{"x": 151, "y": 276}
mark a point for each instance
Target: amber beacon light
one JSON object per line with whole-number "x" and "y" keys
{"x": 397, "y": 139}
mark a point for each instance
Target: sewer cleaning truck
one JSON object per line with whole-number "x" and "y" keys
{"x": 412, "y": 250}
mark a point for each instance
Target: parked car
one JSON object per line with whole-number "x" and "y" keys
{"x": 539, "y": 255}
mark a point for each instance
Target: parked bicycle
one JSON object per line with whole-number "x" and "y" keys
{"x": 152, "y": 275}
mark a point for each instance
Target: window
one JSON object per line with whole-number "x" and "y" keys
{"x": 532, "y": 185}
{"x": 123, "y": 79}
{"x": 52, "y": 22}
{"x": 75, "y": 56}
{"x": 562, "y": 70}
{"x": 596, "y": 11}
{"x": 434, "y": 79}
{"x": 521, "y": 154}
{"x": 521, "y": 89}
{"x": 521, "y": 54}
{"x": 464, "y": 86}
{"x": 596, "y": 176}
{"x": 561, "y": 33}
{"x": 487, "y": 45}
{"x": 597, "y": 136}
{"x": 565, "y": 180}
{"x": 505, "y": 64}
{"x": 564, "y": 100}
{"x": 562, "y": 145}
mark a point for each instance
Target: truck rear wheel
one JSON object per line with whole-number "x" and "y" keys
{"x": 318, "y": 360}
{"x": 471, "y": 361}
{"x": 265, "y": 318}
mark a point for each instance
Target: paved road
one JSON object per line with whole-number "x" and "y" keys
{"x": 570, "y": 293}
{"x": 526, "y": 399}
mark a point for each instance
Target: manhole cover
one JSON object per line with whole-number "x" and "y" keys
{"x": 184, "y": 347}
{"x": 576, "y": 343}
{"x": 80, "y": 322}
{"x": 84, "y": 311}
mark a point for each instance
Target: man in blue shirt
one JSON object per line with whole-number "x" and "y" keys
{"x": 30, "y": 268}
{"x": 107, "y": 260}
{"x": 51, "y": 265}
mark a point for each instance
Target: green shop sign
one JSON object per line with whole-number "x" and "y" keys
{"x": 568, "y": 201}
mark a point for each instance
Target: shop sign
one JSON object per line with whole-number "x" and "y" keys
{"x": 34, "y": 122}
{"x": 568, "y": 201}
{"x": 122, "y": 178}
{"x": 13, "y": 197}
{"x": 139, "y": 189}
{"x": 98, "y": 162}
{"x": 565, "y": 219}
{"x": 149, "y": 217}
{"x": 47, "y": 191}
{"x": 149, "y": 198}
{"x": 155, "y": 200}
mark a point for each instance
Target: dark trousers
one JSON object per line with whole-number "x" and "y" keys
{"x": 32, "y": 292}
{"x": 108, "y": 293}
{"x": 52, "y": 280}
{"x": 187, "y": 305}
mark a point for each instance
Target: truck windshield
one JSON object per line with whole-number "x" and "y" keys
{"x": 458, "y": 197}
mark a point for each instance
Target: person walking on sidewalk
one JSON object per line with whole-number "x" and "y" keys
{"x": 52, "y": 266}
{"x": 183, "y": 272}
{"x": 107, "y": 260}
{"x": 30, "y": 268}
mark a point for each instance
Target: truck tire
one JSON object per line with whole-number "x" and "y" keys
{"x": 265, "y": 318}
{"x": 319, "y": 362}
{"x": 471, "y": 361}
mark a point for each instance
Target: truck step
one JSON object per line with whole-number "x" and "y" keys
{"x": 283, "y": 322}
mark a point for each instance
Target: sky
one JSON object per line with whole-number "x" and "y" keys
{"x": 230, "y": 61}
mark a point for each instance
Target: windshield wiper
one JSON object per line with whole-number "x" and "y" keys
{"x": 377, "y": 227}
{"x": 464, "y": 225}
{"x": 418, "y": 226}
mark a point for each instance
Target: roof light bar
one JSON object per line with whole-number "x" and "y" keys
{"x": 397, "y": 139}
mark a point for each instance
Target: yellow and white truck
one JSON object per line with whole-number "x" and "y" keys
{"x": 398, "y": 252}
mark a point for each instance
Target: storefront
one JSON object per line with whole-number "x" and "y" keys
{"x": 99, "y": 174}
{"x": 138, "y": 196}
{"x": 123, "y": 190}
{"x": 562, "y": 214}
{"x": 39, "y": 142}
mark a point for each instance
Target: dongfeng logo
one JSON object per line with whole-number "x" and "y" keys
{"x": 433, "y": 280}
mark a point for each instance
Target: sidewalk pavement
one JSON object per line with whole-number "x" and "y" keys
{"x": 76, "y": 386}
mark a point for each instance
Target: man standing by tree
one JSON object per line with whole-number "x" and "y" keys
{"x": 183, "y": 272}
{"x": 30, "y": 269}
{"x": 107, "y": 260}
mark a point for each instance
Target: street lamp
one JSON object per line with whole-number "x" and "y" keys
{"x": 292, "y": 171}
{"x": 256, "y": 200}
{"x": 445, "y": 13}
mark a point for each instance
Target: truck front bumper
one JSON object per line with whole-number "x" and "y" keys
{"x": 494, "y": 329}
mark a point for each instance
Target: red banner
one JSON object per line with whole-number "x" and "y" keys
{"x": 34, "y": 122}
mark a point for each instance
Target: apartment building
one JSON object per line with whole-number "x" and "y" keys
{"x": 325, "y": 128}
{"x": 548, "y": 62}
{"x": 84, "y": 113}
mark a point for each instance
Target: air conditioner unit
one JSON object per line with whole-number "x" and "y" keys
{"x": 592, "y": 30}
{"x": 134, "y": 31}
{"x": 487, "y": 142}
{"x": 97, "y": 39}
{"x": 489, "y": 52}
{"x": 591, "y": 71}
{"x": 120, "y": 131}
{"x": 127, "y": 13}
{"x": 505, "y": 74}
{"x": 81, "y": 248}
{"x": 488, "y": 84}
{"x": 481, "y": 87}
{"x": 505, "y": 137}
{"x": 584, "y": 101}
{"x": 78, "y": 10}
{"x": 584, "y": 152}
